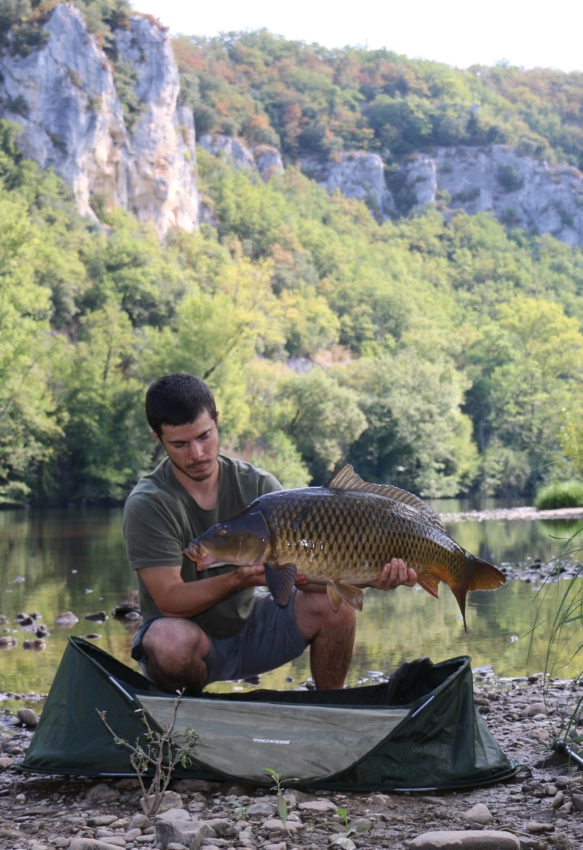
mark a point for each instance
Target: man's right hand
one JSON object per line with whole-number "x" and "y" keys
{"x": 251, "y": 576}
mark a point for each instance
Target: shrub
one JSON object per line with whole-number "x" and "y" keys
{"x": 510, "y": 178}
{"x": 564, "y": 494}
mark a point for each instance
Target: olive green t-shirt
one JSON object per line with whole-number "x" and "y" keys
{"x": 160, "y": 519}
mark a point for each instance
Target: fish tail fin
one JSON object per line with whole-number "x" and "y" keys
{"x": 480, "y": 575}
{"x": 483, "y": 575}
{"x": 477, "y": 575}
{"x": 461, "y": 594}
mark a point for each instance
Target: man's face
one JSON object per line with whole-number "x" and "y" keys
{"x": 193, "y": 448}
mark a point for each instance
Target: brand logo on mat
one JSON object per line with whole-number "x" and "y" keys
{"x": 271, "y": 740}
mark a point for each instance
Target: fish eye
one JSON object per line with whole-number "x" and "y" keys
{"x": 223, "y": 531}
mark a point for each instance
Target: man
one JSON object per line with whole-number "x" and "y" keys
{"x": 198, "y": 628}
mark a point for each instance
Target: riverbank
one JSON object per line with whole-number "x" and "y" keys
{"x": 539, "y": 809}
{"x": 527, "y": 512}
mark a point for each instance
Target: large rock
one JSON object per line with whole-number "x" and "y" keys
{"x": 471, "y": 839}
{"x": 519, "y": 191}
{"x": 262, "y": 158}
{"x": 63, "y": 95}
{"x": 356, "y": 174}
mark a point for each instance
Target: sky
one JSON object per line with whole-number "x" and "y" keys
{"x": 459, "y": 33}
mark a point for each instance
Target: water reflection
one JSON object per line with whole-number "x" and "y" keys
{"x": 75, "y": 561}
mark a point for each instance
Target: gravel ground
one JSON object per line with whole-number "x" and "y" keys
{"x": 541, "y": 807}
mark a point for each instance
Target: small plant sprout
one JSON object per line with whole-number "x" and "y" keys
{"x": 155, "y": 760}
{"x": 349, "y": 828}
{"x": 239, "y": 811}
{"x": 278, "y": 788}
{"x": 343, "y": 815}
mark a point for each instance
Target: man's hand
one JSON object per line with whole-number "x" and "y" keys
{"x": 251, "y": 576}
{"x": 395, "y": 574}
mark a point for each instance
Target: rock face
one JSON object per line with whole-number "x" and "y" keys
{"x": 64, "y": 97}
{"x": 519, "y": 191}
{"x": 262, "y": 158}
{"x": 356, "y": 174}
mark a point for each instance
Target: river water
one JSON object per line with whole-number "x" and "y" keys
{"x": 53, "y": 562}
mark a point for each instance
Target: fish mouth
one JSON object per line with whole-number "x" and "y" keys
{"x": 197, "y": 553}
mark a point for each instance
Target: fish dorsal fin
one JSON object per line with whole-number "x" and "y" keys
{"x": 347, "y": 479}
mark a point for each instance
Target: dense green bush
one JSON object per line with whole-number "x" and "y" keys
{"x": 564, "y": 494}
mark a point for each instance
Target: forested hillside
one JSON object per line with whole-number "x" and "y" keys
{"x": 306, "y": 99}
{"x": 440, "y": 352}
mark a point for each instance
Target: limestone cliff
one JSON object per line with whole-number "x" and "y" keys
{"x": 262, "y": 158}
{"x": 64, "y": 97}
{"x": 356, "y": 174}
{"x": 519, "y": 191}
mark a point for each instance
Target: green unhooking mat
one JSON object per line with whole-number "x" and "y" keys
{"x": 418, "y": 731}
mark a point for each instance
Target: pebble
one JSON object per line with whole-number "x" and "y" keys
{"x": 480, "y": 814}
{"x": 472, "y": 839}
{"x": 536, "y": 828}
{"x": 66, "y": 618}
{"x": 343, "y": 841}
{"x": 28, "y": 717}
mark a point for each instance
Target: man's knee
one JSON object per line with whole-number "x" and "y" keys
{"x": 314, "y": 613}
{"x": 174, "y": 651}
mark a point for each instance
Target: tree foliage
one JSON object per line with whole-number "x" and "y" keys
{"x": 307, "y": 99}
{"x": 442, "y": 354}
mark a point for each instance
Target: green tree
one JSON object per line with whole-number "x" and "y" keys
{"x": 533, "y": 381}
{"x": 216, "y": 335}
{"x": 325, "y": 420}
{"x": 130, "y": 265}
{"x": 106, "y": 443}
{"x": 28, "y": 419}
{"x": 265, "y": 441}
{"x": 416, "y": 436}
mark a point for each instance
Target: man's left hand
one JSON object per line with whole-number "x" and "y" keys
{"x": 395, "y": 574}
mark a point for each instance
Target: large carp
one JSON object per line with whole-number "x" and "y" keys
{"x": 341, "y": 535}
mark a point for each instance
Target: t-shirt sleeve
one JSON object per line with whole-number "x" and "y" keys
{"x": 268, "y": 483}
{"x": 152, "y": 536}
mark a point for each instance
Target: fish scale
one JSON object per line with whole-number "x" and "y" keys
{"x": 342, "y": 535}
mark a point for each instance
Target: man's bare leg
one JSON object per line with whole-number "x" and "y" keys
{"x": 175, "y": 651}
{"x": 331, "y": 635}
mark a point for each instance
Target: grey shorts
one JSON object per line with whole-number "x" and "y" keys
{"x": 268, "y": 639}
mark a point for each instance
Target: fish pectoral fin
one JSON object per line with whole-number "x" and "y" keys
{"x": 340, "y": 591}
{"x": 430, "y": 583}
{"x": 280, "y": 580}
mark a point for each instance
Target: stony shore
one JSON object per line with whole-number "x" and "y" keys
{"x": 540, "y": 808}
